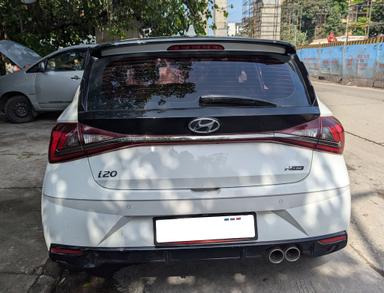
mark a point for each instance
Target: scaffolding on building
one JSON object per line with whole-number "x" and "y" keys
{"x": 261, "y": 18}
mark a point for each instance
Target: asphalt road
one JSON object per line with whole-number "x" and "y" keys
{"x": 358, "y": 268}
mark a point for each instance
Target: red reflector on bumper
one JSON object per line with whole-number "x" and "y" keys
{"x": 67, "y": 251}
{"x": 333, "y": 239}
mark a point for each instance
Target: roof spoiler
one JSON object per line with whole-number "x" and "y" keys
{"x": 163, "y": 44}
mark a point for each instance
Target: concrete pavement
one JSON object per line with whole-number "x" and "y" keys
{"x": 361, "y": 110}
{"x": 358, "y": 268}
{"x": 23, "y": 155}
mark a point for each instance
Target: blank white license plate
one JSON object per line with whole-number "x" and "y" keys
{"x": 208, "y": 229}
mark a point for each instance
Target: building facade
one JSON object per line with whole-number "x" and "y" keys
{"x": 261, "y": 18}
{"x": 234, "y": 29}
{"x": 219, "y": 18}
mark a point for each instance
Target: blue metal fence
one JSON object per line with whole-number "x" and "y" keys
{"x": 361, "y": 64}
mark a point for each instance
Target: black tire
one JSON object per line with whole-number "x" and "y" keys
{"x": 18, "y": 109}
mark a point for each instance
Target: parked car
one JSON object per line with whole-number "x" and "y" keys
{"x": 49, "y": 84}
{"x": 194, "y": 148}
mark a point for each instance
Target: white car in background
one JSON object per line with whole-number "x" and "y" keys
{"x": 194, "y": 148}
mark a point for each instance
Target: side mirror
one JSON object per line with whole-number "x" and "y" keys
{"x": 42, "y": 66}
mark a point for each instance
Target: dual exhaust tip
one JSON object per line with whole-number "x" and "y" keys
{"x": 277, "y": 255}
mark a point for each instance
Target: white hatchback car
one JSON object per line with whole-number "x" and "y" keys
{"x": 194, "y": 148}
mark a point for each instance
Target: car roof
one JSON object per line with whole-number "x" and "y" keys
{"x": 74, "y": 47}
{"x": 81, "y": 46}
{"x": 289, "y": 48}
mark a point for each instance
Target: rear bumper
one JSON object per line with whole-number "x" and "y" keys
{"x": 89, "y": 257}
{"x": 129, "y": 224}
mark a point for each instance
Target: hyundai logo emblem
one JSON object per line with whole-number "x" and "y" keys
{"x": 204, "y": 125}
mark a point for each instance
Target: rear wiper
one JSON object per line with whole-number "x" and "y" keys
{"x": 232, "y": 100}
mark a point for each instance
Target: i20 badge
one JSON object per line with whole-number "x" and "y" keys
{"x": 204, "y": 125}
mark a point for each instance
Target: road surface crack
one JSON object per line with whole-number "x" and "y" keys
{"x": 366, "y": 139}
{"x": 370, "y": 264}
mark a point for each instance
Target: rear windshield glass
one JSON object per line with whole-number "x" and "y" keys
{"x": 119, "y": 83}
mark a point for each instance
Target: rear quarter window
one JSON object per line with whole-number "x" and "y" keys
{"x": 161, "y": 83}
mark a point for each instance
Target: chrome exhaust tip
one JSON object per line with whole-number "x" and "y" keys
{"x": 292, "y": 254}
{"x": 276, "y": 256}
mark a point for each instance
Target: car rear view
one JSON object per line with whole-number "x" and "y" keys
{"x": 194, "y": 148}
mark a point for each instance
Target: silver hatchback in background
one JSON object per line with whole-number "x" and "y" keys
{"x": 49, "y": 84}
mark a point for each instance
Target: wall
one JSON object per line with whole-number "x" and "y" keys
{"x": 360, "y": 63}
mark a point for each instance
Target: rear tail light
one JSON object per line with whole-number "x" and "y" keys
{"x": 65, "y": 144}
{"x": 323, "y": 134}
{"x": 71, "y": 141}
{"x": 332, "y": 135}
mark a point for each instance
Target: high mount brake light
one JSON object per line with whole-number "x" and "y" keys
{"x": 186, "y": 47}
{"x": 71, "y": 141}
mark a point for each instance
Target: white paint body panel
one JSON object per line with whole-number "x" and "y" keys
{"x": 73, "y": 180}
{"x": 77, "y": 210}
{"x": 201, "y": 166}
{"x": 85, "y": 222}
{"x": 70, "y": 113}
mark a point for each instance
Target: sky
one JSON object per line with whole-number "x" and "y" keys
{"x": 235, "y": 12}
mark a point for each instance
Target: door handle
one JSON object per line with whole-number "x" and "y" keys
{"x": 75, "y": 77}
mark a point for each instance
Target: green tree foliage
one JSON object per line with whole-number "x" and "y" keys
{"x": 367, "y": 17}
{"x": 337, "y": 11}
{"x": 358, "y": 17}
{"x": 313, "y": 19}
{"x": 306, "y": 20}
{"x": 48, "y": 24}
{"x": 293, "y": 35}
{"x": 377, "y": 18}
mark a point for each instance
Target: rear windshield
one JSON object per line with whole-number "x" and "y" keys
{"x": 134, "y": 84}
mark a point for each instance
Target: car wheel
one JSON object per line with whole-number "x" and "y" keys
{"x": 18, "y": 109}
